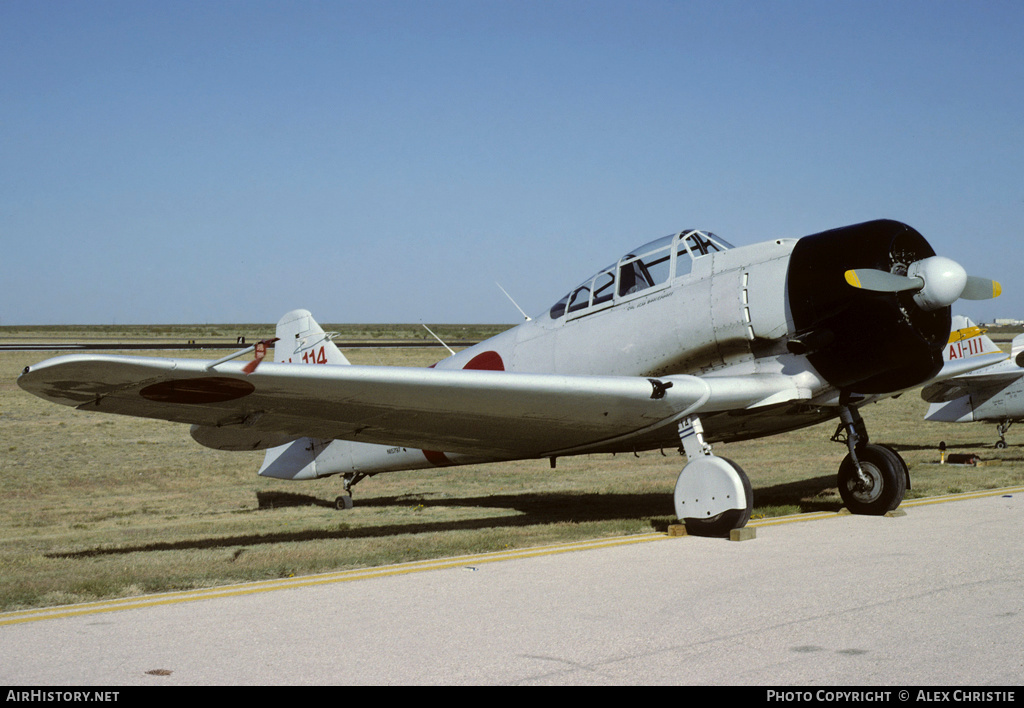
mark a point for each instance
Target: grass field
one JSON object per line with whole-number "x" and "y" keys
{"x": 95, "y": 506}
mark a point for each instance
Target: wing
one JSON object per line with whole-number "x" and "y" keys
{"x": 495, "y": 413}
{"x": 982, "y": 372}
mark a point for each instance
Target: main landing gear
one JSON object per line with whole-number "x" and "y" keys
{"x": 1001, "y": 428}
{"x": 713, "y": 494}
{"x": 872, "y": 478}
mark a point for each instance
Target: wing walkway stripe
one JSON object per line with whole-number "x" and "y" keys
{"x": 34, "y": 615}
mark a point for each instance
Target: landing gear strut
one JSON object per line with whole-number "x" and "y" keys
{"x": 1001, "y": 428}
{"x": 713, "y": 494}
{"x": 872, "y": 478}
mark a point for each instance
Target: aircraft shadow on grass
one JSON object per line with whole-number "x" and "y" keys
{"x": 964, "y": 446}
{"x": 535, "y": 509}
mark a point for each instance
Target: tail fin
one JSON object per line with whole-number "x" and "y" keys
{"x": 302, "y": 341}
{"x": 967, "y": 340}
{"x": 952, "y": 392}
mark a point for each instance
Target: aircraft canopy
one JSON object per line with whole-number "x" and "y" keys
{"x": 649, "y": 266}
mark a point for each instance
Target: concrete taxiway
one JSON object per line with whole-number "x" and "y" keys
{"x": 932, "y": 598}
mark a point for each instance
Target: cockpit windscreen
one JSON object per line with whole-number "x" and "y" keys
{"x": 649, "y": 266}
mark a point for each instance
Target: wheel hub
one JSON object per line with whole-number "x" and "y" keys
{"x": 865, "y": 486}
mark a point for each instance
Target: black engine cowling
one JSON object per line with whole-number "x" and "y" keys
{"x": 863, "y": 341}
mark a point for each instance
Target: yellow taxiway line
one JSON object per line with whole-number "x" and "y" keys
{"x": 469, "y": 561}
{"x": 907, "y": 503}
{"x": 170, "y": 598}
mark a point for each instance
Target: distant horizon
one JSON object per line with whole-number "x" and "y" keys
{"x": 260, "y": 324}
{"x": 1009, "y": 322}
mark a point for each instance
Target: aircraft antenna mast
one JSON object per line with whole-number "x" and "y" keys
{"x": 450, "y": 351}
{"x": 528, "y": 318}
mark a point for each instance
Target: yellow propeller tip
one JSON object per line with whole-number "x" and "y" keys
{"x": 997, "y": 289}
{"x": 852, "y": 279}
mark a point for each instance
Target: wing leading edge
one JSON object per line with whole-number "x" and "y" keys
{"x": 494, "y": 413}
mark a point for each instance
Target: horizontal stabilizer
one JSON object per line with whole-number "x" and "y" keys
{"x": 295, "y": 460}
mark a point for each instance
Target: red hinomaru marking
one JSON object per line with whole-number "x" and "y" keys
{"x": 197, "y": 391}
{"x": 487, "y": 361}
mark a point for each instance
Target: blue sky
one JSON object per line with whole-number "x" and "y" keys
{"x": 389, "y": 161}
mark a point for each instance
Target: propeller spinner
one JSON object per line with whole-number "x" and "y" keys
{"x": 938, "y": 282}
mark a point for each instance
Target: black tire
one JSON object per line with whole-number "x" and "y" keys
{"x": 902, "y": 462}
{"x": 722, "y": 524}
{"x": 886, "y": 486}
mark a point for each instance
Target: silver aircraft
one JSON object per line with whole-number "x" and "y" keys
{"x": 994, "y": 393}
{"x": 682, "y": 342}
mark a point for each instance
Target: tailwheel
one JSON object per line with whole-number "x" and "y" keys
{"x": 879, "y": 484}
{"x": 1001, "y": 429}
{"x": 349, "y": 480}
{"x": 713, "y": 496}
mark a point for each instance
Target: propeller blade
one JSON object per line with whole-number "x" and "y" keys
{"x": 882, "y": 282}
{"x": 981, "y": 289}
{"x": 936, "y": 281}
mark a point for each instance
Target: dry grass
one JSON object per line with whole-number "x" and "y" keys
{"x": 95, "y": 506}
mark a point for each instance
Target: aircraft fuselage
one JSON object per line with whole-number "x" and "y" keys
{"x": 691, "y": 304}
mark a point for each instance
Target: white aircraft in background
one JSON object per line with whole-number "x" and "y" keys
{"x": 994, "y": 393}
{"x": 683, "y": 341}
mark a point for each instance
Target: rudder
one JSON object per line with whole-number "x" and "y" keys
{"x": 302, "y": 341}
